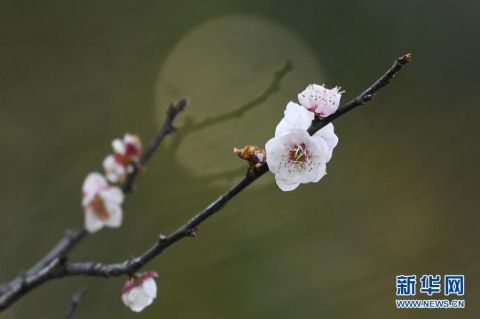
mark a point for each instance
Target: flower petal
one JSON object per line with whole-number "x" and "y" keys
{"x": 141, "y": 300}
{"x": 92, "y": 222}
{"x": 327, "y": 133}
{"x": 297, "y": 116}
{"x": 274, "y": 151}
{"x": 118, "y": 147}
{"x": 115, "y": 216}
{"x": 112, "y": 195}
{"x": 114, "y": 171}
{"x": 282, "y": 128}
{"x": 93, "y": 183}
{"x": 322, "y": 171}
{"x": 285, "y": 185}
{"x": 150, "y": 287}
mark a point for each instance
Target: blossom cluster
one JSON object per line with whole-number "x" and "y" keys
{"x": 102, "y": 202}
{"x": 125, "y": 155}
{"x": 292, "y": 155}
{"x": 102, "y": 205}
{"x": 295, "y": 157}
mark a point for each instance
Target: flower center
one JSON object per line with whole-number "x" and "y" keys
{"x": 132, "y": 150}
{"x": 98, "y": 206}
{"x": 298, "y": 153}
{"x": 122, "y": 159}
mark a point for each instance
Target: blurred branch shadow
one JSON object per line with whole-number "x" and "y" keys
{"x": 190, "y": 126}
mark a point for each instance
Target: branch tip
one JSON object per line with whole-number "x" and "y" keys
{"x": 179, "y": 106}
{"x": 406, "y": 58}
{"x": 51, "y": 266}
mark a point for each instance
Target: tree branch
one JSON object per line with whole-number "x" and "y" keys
{"x": 59, "y": 268}
{"x": 44, "y": 269}
{"x": 63, "y": 247}
{"x": 76, "y": 298}
{"x": 131, "y": 266}
{"x": 365, "y": 96}
{"x": 166, "y": 129}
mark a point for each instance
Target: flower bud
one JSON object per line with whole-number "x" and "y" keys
{"x": 254, "y": 155}
{"x": 139, "y": 291}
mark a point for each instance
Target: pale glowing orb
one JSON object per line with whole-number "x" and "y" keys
{"x": 221, "y": 65}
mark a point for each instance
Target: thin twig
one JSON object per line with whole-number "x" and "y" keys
{"x": 76, "y": 298}
{"x": 365, "y": 96}
{"x": 166, "y": 129}
{"x": 59, "y": 268}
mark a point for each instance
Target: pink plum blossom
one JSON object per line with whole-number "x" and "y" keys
{"x": 101, "y": 203}
{"x": 320, "y": 100}
{"x": 126, "y": 152}
{"x": 139, "y": 291}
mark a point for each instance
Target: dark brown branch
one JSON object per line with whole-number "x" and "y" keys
{"x": 76, "y": 298}
{"x": 166, "y": 129}
{"x": 58, "y": 268}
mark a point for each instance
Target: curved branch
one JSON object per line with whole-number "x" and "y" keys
{"x": 49, "y": 265}
{"x": 59, "y": 268}
{"x": 130, "y": 266}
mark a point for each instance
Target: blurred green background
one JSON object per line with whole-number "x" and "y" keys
{"x": 401, "y": 196}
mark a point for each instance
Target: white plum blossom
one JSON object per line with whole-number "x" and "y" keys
{"x": 126, "y": 152}
{"x": 293, "y": 155}
{"x": 140, "y": 291}
{"x": 320, "y": 100}
{"x": 101, "y": 203}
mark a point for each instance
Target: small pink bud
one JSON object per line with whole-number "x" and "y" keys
{"x": 140, "y": 290}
